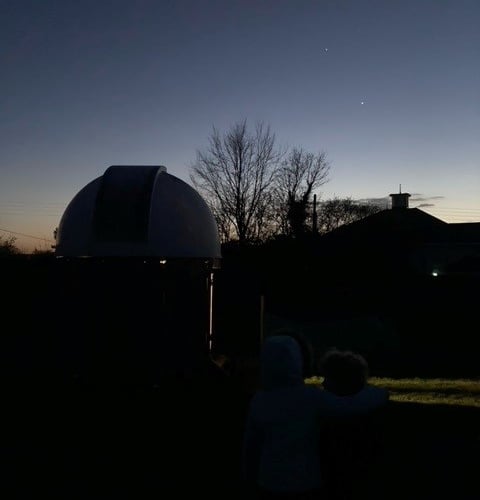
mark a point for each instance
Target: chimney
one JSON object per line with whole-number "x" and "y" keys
{"x": 400, "y": 200}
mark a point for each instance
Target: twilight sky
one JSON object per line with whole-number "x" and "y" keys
{"x": 389, "y": 89}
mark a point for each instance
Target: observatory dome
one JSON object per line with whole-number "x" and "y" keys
{"x": 138, "y": 211}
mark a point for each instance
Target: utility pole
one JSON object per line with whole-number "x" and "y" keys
{"x": 314, "y": 215}
{"x": 262, "y": 319}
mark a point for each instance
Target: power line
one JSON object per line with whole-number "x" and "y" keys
{"x": 454, "y": 216}
{"x": 465, "y": 209}
{"x": 451, "y": 214}
{"x": 458, "y": 217}
{"x": 458, "y": 212}
{"x": 23, "y": 214}
{"x": 32, "y": 202}
{"x": 27, "y": 235}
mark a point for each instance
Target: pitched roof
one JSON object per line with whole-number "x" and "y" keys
{"x": 412, "y": 225}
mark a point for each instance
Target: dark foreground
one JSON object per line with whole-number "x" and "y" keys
{"x": 77, "y": 443}
{"x": 430, "y": 452}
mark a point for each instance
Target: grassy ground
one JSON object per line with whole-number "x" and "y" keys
{"x": 83, "y": 445}
{"x": 459, "y": 392}
{"x": 431, "y": 441}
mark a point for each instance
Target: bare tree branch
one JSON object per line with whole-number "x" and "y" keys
{"x": 339, "y": 211}
{"x": 235, "y": 174}
{"x": 301, "y": 173}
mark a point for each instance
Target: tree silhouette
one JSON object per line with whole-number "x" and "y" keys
{"x": 300, "y": 173}
{"x": 235, "y": 174}
{"x": 7, "y": 245}
{"x": 339, "y": 211}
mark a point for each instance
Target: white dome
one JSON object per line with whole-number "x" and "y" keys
{"x": 138, "y": 211}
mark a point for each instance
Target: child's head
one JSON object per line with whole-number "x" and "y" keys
{"x": 345, "y": 372}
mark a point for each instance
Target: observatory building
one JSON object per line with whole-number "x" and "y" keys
{"x": 137, "y": 248}
{"x": 138, "y": 211}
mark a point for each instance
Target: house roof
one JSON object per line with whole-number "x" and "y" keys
{"x": 392, "y": 225}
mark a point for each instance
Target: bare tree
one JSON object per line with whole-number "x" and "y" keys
{"x": 339, "y": 211}
{"x": 7, "y": 245}
{"x": 299, "y": 175}
{"x": 235, "y": 175}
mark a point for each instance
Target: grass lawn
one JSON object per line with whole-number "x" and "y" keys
{"x": 431, "y": 441}
{"x": 459, "y": 392}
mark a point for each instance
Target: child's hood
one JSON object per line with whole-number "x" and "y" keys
{"x": 281, "y": 363}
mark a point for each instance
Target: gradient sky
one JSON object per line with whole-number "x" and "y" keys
{"x": 87, "y": 84}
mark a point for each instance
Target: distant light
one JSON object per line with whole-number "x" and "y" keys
{"x": 363, "y": 102}
{"x": 163, "y": 262}
{"x": 435, "y": 273}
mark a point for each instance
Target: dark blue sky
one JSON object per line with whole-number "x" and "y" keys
{"x": 87, "y": 84}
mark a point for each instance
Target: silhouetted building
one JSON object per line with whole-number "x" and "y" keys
{"x": 404, "y": 239}
{"x": 136, "y": 251}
